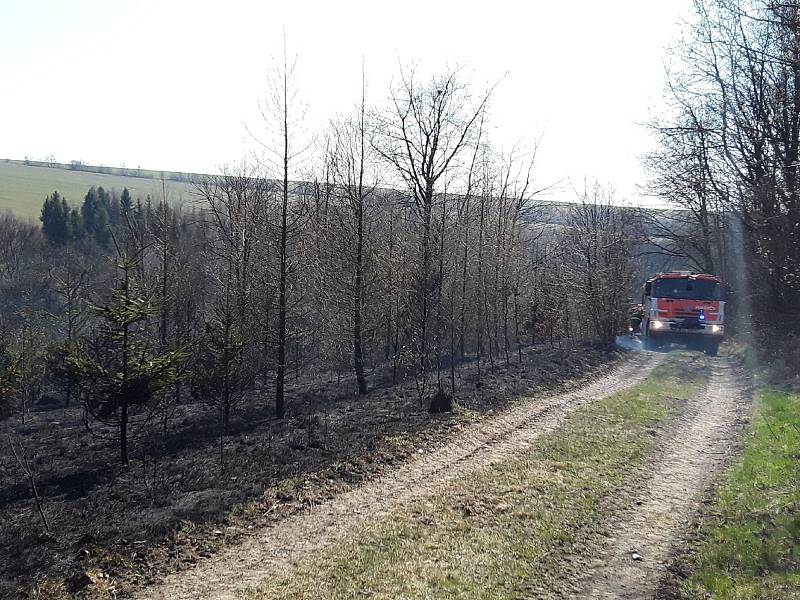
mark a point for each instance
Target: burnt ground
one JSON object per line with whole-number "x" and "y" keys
{"x": 114, "y": 529}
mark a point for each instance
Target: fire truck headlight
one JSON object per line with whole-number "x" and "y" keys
{"x": 716, "y": 329}
{"x": 657, "y": 324}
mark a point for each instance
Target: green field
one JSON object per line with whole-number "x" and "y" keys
{"x": 23, "y": 188}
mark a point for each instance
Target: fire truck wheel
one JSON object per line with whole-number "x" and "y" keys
{"x": 712, "y": 348}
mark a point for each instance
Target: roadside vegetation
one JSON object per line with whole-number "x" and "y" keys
{"x": 751, "y": 542}
{"x": 506, "y": 531}
{"x": 728, "y": 155}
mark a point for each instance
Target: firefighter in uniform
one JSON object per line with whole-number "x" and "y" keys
{"x": 637, "y": 314}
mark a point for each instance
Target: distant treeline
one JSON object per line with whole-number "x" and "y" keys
{"x": 100, "y": 209}
{"x": 77, "y": 165}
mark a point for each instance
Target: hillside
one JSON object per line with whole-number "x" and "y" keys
{"x": 23, "y": 187}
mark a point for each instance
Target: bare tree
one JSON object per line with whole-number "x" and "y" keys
{"x": 284, "y": 144}
{"x": 226, "y": 365}
{"x": 426, "y": 130}
{"x": 20, "y": 242}
{"x": 599, "y": 239}
{"x": 353, "y": 179}
{"x": 71, "y": 282}
{"x": 684, "y": 174}
{"x": 741, "y": 64}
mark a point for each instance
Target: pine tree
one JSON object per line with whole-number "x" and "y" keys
{"x": 140, "y": 216}
{"x": 125, "y": 202}
{"x": 54, "y": 219}
{"x": 111, "y": 203}
{"x": 149, "y": 213}
{"x": 94, "y": 213}
{"x": 75, "y": 227}
{"x": 223, "y": 373}
{"x": 118, "y": 367}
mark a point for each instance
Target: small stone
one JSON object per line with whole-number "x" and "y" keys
{"x": 636, "y": 556}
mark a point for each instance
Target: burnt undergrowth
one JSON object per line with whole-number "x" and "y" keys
{"x": 188, "y": 491}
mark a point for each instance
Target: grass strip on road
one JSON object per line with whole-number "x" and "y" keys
{"x": 503, "y": 532}
{"x": 750, "y": 543}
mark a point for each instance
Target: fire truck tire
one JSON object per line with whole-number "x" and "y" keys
{"x": 712, "y": 348}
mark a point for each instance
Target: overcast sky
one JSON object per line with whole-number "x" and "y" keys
{"x": 172, "y": 84}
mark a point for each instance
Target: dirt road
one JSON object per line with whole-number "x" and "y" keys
{"x": 491, "y": 440}
{"x": 633, "y": 561}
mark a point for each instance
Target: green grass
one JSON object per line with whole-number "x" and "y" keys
{"x": 750, "y": 545}
{"x": 504, "y": 532}
{"x": 23, "y": 188}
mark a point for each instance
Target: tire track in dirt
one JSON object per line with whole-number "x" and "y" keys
{"x": 634, "y": 560}
{"x": 491, "y": 440}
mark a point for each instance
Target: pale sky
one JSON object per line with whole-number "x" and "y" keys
{"x": 171, "y": 84}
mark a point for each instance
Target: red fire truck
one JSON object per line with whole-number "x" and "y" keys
{"x": 685, "y": 308}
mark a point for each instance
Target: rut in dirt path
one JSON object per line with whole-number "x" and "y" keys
{"x": 644, "y": 536}
{"x": 493, "y": 439}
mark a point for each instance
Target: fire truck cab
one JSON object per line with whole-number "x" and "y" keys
{"x": 685, "y": 308}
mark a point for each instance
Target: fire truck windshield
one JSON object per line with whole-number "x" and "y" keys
{"x": 692, "y": 289}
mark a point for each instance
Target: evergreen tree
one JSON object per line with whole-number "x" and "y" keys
{"x": 125, "y": 202}
{"x": 75, "y": 226}
{"x": 149, "y": 214}
{"x": 139, "y": 216}
{"x": 102, "y": 198}
{"x": 111, "y": 203}
{"x": 94, "y": 212}
{"x": 89, "y": 211}
{"x": 54, "y": 219}
{"x": 223, "y": 374}
{"x": 118, "y": 367}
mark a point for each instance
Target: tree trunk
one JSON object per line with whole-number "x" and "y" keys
{"x": 123, "y": 434}
{"x": 358, "y": 355}
{"x": 280, "y": 372}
